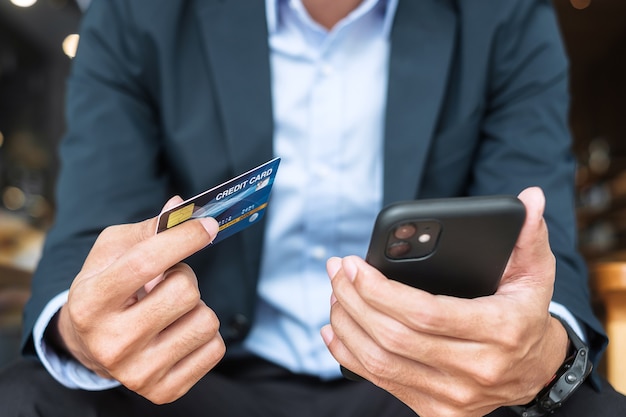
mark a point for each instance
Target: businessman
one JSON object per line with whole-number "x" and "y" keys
{"x": 366, "y": 102}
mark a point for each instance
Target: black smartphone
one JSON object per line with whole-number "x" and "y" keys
{"x": 453, "y": 246}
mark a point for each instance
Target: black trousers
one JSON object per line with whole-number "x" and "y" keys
{"x": 247, "y": 388}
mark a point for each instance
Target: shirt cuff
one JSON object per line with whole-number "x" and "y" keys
{"x": 561, "y": 311}
{"x": 67, "y": 371}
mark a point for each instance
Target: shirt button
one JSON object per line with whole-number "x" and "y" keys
{"x": 318, "y": 253}
{"x": 238, "y": 327}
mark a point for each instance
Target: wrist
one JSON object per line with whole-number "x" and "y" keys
{"x": 53, "y": 338}
{"x": 570, "y": 375}
{"x": 559, "y": 350}
{"x": 59, "y": 336}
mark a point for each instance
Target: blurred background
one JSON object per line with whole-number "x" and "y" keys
{"x": 38, "y": 39}
{"x": 37, "y": 42}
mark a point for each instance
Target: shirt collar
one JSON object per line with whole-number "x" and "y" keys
{"x": 389, "y": 9}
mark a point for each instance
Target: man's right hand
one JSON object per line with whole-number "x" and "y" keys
{"x": 157, "y": 344}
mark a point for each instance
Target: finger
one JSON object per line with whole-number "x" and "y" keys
{"x": 174, "y": 297}
{"x": 359, "y": 285}
{"x": 149, "y": 258}
{"x": 188, "y": 371}
{"x": 186, "y": 363}
{"x": 338, "y": 350}
{"x": 423, "y": 385}
{"x": 188, "y": 333}
{"x": 141, "y": 293}
{"x": 438, "y": 327}
{"x": 111, "y": 335}
{"x": 171, "y": 203}
{"x": 352, "y": 347}
{"x": 164, "y": 349}
{"x": 406, "y": 331}
{"x": 164, "y": 383}
{"x": 115, "y": 240}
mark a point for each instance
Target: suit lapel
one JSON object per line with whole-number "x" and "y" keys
{"x": 422, "y": 43}
{"x": 235, "y": 38}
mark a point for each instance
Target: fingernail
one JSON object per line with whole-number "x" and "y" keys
{"x": 333, "y": 265}
{"x": 333, "y": 299}
{"x": 210, "y": 225}
{"x": 349, "y": 268}
{"x": 327, "y": 334}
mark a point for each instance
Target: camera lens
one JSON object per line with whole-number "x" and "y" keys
{"x": 397, "y": 250}
{"x": 405, "y": 231}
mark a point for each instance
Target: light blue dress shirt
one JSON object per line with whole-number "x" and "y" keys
{"x": 329, "y": 92}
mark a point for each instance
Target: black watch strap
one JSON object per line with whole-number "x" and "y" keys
{"x": 567, "y": 379}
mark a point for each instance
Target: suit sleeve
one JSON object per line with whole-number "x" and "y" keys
{"x": 110, "y": 155}
{"x": 526, "y": 142}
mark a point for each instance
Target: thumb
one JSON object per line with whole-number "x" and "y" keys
{"x": 532, "y": 258}
{"x": 534, "y": 233}
{"x": 535, "y": 202}
{"x": 172, "y": 202}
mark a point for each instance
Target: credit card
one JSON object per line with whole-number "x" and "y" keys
{"x": 235, "y": 204}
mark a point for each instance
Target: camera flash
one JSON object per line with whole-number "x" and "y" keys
{"x": 424, "y": 238}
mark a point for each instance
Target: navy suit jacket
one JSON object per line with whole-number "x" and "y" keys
{"x": 172, "y": 97}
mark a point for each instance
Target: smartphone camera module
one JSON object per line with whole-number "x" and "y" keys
{"x": 412, "y": 240}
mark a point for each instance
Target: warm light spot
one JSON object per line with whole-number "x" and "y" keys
{"x": 580, "y": 4}
{"x": 70, "y": 44}
{"x": 23, "y": 3}
{"x": 1, "y": 139}
{"x": 38, "y": 207}
{"x": 13, "y": 198}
